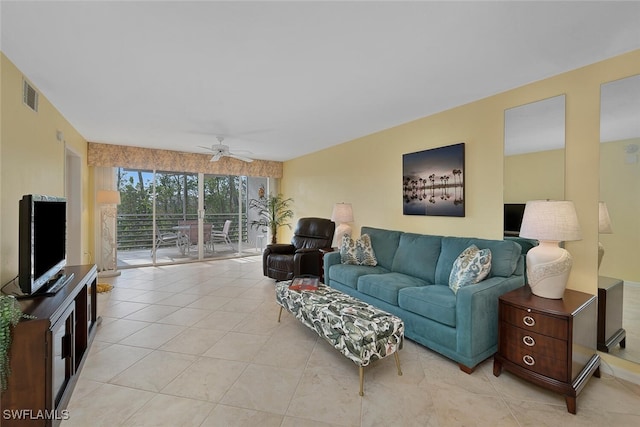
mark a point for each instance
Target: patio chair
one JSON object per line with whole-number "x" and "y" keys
{"x": 163, "y": 237}
{"x": 206, "y": 233}
{"x": 222, "y": 236}
{"x": 192, "y": 232}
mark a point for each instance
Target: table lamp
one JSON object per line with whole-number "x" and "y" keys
{"x": 604, "y": 227}
{"x": 548, "y": 265}
{"x": 342, "y": 214}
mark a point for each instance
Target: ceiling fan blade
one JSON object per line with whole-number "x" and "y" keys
{"x": 245, "y": 153}
{"x": 244, "y": 159}
{"x": 221, "y": 150}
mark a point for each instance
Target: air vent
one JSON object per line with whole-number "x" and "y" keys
{"x": 29, "y": 96}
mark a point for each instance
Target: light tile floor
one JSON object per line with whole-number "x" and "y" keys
{"x": 631, "y": 324}
{"x": 199, "y": 345}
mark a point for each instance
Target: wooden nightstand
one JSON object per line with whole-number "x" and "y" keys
{"x": 610, "y": 298}
{"x": 549, "y": 342}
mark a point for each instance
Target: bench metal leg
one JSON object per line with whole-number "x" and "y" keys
{"x": 279, "y": 314}
{"x": 361, "y": 371}
{"x": 398, "y": 363}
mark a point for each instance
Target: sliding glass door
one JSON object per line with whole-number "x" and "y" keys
{"x": 135, "y": 217}
{"x": 173, "y": 217}
{"x": 223, "y": 202}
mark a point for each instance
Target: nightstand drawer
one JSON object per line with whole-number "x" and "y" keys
{"x": 547, "y": 366}
{"x": 531, "y": 320}
{"x": 537, "y": 344}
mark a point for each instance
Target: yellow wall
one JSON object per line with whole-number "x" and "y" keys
{"x": 534, "y": 176}
{"x": 32, "y": 160}
{"x": 368, "y": 171}
{"x": 620, "y": 189}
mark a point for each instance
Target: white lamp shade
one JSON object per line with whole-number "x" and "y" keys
{"x": 550, "y": 220}
{"x": 604, "y": 221}
{"x": 108, "y": 197}
{"x": 342, "y": 212}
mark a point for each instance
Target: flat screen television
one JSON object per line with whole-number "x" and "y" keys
{"x": 513, "y": 213}
{"x": 42, "y": 242}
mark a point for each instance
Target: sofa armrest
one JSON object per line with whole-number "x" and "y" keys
{"x": 275, "y": 248}
{"x": 307, "y": 250}
{"x": 330, "y": 258}
{"x": 477, "y": 313}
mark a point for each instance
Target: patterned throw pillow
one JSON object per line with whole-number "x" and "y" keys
{"x": 358, "y": 252}
{"x": 471, "y": 266}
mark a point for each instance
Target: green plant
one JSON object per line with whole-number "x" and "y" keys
{"x": 10, "y": 315}
{"x": 273, "y": 212}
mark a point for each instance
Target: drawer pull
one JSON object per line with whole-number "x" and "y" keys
{"x": 528, "y": 320}
{"x": 528, "y": 341}
{"x": 528, "y": 360}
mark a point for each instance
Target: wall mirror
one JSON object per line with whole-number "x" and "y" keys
{"x": 620, "y": 191}
{"x": 534, "y": 139}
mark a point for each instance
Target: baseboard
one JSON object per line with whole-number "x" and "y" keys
{"x": 620, "y": 368}
{"x": 630, "y": 283}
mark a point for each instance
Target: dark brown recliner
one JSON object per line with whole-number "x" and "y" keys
{"x": 283, "y": 261}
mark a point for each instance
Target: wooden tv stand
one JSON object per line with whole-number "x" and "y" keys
{"x": 47, "y": 353}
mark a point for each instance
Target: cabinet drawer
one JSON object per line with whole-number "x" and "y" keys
{"x": 547, "y": 366}
{"x": 538, "y": 344}
{"x": 531, "y": 320}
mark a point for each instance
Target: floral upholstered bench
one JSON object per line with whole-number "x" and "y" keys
{"x": 356, "y": 329}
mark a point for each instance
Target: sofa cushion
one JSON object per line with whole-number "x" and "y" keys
{"x": 386, "y": 286}
{"x": 471, "y": 266}
{"x": 385, "y": 244}
{"x": 348, "y": 274}
{"x": 358, "y": 251}
{"x": 417, "y": 256}
{"x": 504, "y": 256}
{"x": 435, "y": 302}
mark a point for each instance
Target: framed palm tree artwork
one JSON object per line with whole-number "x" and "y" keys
{"x": 433, "y": 182}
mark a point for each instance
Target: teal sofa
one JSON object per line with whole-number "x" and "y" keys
{"x": 411, "y": 280}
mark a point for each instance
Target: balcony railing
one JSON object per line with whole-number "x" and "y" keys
{"x": 135, "y": 231}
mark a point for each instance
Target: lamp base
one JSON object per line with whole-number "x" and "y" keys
{"x": 341, "y": 230}
{"x": 109, "y": 273}
{"x": 548, "y": 268}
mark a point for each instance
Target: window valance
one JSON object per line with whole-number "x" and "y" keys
{"x": 109, "y": 155}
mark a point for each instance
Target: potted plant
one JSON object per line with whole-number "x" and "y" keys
{"x": 273, "y": 212}
{"x": 10, "y": 315}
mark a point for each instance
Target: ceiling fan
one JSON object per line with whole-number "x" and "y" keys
{"x": 221, "y": 150}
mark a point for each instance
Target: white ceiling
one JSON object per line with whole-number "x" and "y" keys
{"x": 283, "y": 79}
